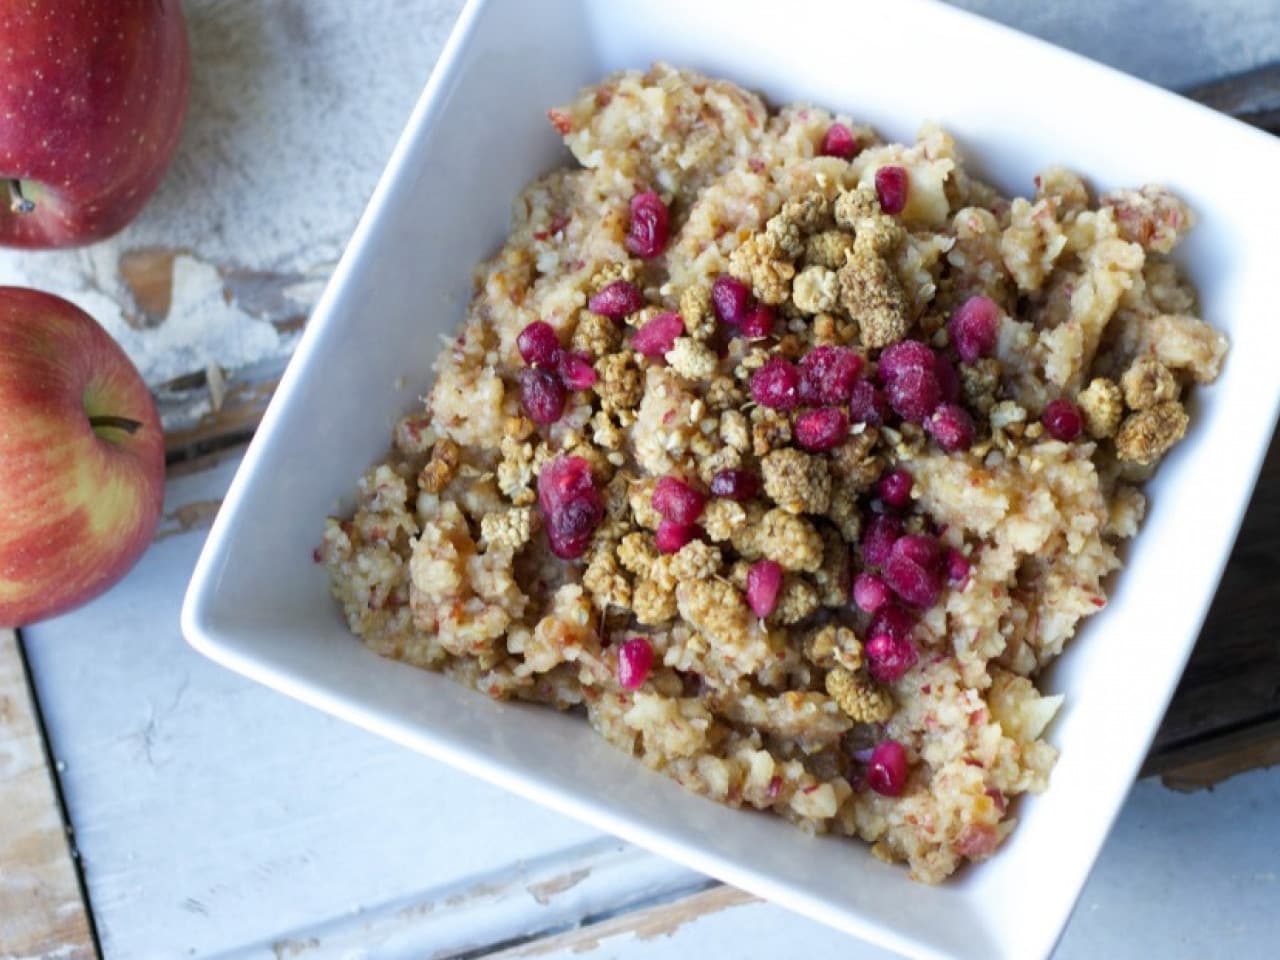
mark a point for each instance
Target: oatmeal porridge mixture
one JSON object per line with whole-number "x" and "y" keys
{"x": 786, "y": 455}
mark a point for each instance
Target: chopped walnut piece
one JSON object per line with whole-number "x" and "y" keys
{"x": 621, "y": 383}
{"x": 1147, "y": 435}
{"x": 797, "y": 600}
{"x": 1151, "y": 217}
{"x": 696, "y": 312}
{"x": 760, "y": 263}
{"x": 833, "y": 645}
{"x": 507, "y": 529}
{"x": 1102, "y": 404}
{"x": 439, "y": 470}
{"x": 815, "y": 290}
{"x": 796, "y": 481}
{"x": 692, "y": 360}
{"x": 1148, "y": 382}
{"x": 828, "y": 249}
{"x": 715, "y": 608}
{"x": 595, "y": 335}
{"x": 695, "y": 561}
{"x": 652, "y": 603}
{"x": 720, "y": 518}
{"x": 871, "y": 293}
{"x": 790, "y": 541}
{"x": 858, "y": 696}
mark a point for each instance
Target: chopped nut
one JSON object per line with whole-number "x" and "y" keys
{"x": 796, "y": 481}
{"x": 797, "y": 600}
{"x": 1102, "y": 405}
{"x": 1148, "y": 382}
{"x": 439, "y": 470}
{"x": 834, "y": 646}
{"x": 692, "y": 360}
{"x": 815, "y": 290}
{"x": 720, "y": 518}
{"x": 760, "y": 263}
{"x": 595, "y": 335}
{"x": 507, "y": 529}
{"x": 790, "y": 541}
{"x": 621, "y": 384}
{"x": 695, "y": 561}
{"x": 828, "y": 249}
{"x": 653, "y": 604}
{"x": 637, "y": 553}
{"x": 519, "y": 428}
{"x": 1147, "y": 435}
{"x": 858, "y": 696}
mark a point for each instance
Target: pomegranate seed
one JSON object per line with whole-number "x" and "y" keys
{"x": 889, "y": 657}
{"x": 867, "y": 404}
{"x": 572, "y": 507}
{"x": 616, "y": 300}
{"x": 776, "y": 384}
{"x": 973, "y": 326}
{"x": 957, "y": 568}
{"x": 894, "y": 488}
{"x": 635, "y": 657}
{"x": 892, "y": 185}
{"x": 647, "y": 235}
{"x": 892, "y": 621}
{"x": 538, "y": 344}
{"x": 896, "y": 359}
{"x": 839, "y": 141}
{"x": 658, "y": 336}
{"x": 948, "y": 382}
{"x": 1062, "y": 419}
{"x": 887, "y": 771}
{"x": 869, "y": 592}
{"x": 677, "y": 501}
{"x": 576, "y": 371}
{"x": 758, "y": 322}
{"x": 671, "y": 536}
{"x": 730, "y": 298}
{"x": 951, "y": 426}
{"x": 827, "y": 375}
{"x": 542, "y": 395}
{"x": 822, "y": 429}
{"x": 914, "y": 569}
{"x": 764, "y": 581}
{"x": 914, "y": 394}
{"x": 878, "y": 539}
{"x": 733, "y": 484}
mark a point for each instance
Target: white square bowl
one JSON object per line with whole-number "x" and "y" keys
{"x": 258, "y": 605}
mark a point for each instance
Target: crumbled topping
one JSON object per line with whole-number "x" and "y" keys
{"x": 815, "y": 290}
{"x": 769, "y": 429}
{"x": 790, "y": 541}
{"x": 507, "y": 529}
{"x": 604, "y": 580}
{"x": 828, "y": 249}
{"x": 796, "y": 481}
{"x": 871, "y": 293}
{"x": 980, "y": 383}
{"x": 605, "y": 433}
{"x": 835, "y": 575}
{"x": 1067, "y": 191}
{"x": 439, "y": 470}
{"x": 1151, "y": 217}
{"x": 695, "y": 561}
{"x": 722, "y": 458}
{"x": 696, "y": 312}
{"x": 758, "y": 261}
{"x": 1147, "y": 435}
{"x": 808, "y": 213}
{"x": 723, "y": 394}
{"x": 859, "y": 697}
{"x": 716, "y": 609}
{"x": 844, "y": 511}
{"x": 720, "y": 518}
{"x": 854, "y": 463}
{"x": 653, "y": 604}
{"x": 832, "y": 646}
{"x": 516, "y": 471}
{"x": 692, "y": 360}
{"x": 735, "y": 431}
{"x": 621, "y": 383}
{"x": 1102, "y": 405}
{"x": 641, "y": 497}
{"x": 637, "y": 553}
{"x": 595, "y": 335}
{"x": 1148, "y": 382}
{"x": 853, "y": 207}
{"x": 797, "y": 600}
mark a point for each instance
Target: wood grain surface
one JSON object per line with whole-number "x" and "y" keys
{"x": 42, "y": 913}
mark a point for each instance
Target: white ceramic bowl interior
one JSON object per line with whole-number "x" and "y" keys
{"x": 260, "y": 606}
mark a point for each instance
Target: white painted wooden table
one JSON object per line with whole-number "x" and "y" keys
{"x": 216, "y": 818}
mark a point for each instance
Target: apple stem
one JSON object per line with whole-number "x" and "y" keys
{"x": 119, "y": 423}
{"x": 17, "y": 202}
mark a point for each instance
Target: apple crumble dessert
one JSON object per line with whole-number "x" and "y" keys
{"x": 786, "y": 455}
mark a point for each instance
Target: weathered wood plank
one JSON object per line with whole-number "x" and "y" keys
{"x": 42, "y": 913}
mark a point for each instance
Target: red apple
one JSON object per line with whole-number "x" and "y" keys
{"x": 92, "y": 97}
{"x": 81, "y": 458}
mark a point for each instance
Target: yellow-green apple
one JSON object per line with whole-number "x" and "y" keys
{"x": 81, "y": 458}
{"x": 92, "y": 98}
